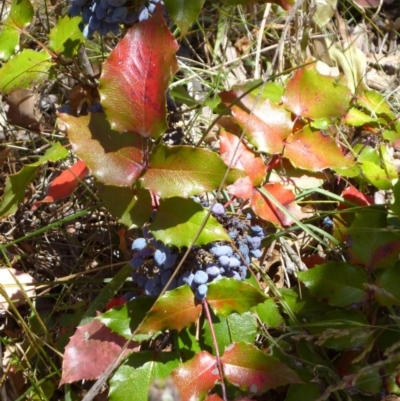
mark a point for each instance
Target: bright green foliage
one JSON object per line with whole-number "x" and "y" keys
{"x": 20, "y": 15}
{"x": 181, "y": 228}
{"x": 132, "y": 379}
{"x": 25, "y": 70}
{"x": 66, "y": 36}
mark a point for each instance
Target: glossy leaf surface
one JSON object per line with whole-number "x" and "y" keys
{"x": 175, "y": 310}
{"x": 135, "y": 378}
{"x": 180, "y": 228}
{"x": 265, "y": 209}
{"x": 266, "y": 124}
{"x": 136, "y": 75}
{"x": 196, "y": 377}
{"x": 340, "y": 284}
{"x": 233, "y": 328}
{"x": 113, "y": 158}
{"x": 236, "y": 155}
{"x": 21, "y": 14}
{"x": 66, "y": 36}
{"x": 312, "y": 95}
{"x": 228, "y": 295}
{"x": 26, "y": 69}
{"x": 185, "y": 171}
{"x": 315, "y": 151}
{"x": 253, "y": 371}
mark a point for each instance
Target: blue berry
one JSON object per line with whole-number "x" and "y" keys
{"x": 218, "y": 208}
{"x": 139, "y": 244}
{"x": 200, "y": 277}
{"x": 201, "y": 292}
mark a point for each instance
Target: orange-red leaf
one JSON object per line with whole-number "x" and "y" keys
{"x": 65, "y": 183}
{"x": 269, "y": 212}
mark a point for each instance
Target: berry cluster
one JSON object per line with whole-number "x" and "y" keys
{"x": 153, "y": 262}
{"x": 106, "y": 15}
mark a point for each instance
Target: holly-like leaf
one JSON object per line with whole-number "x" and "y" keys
{"x": 184, "y": 12}
{"x": 268, "y": 313}
{"x": 264, "y": 208}
{"x": 63, "y": 186}
{"x": 136, "y": 75}
{"x": 315, "y": 151}
{"x": 125, "y": 320}
{"x": 185, "y": 171}
{"x": 21, "y": 14}
{"x": 266, "y": 123}
{"x": 113, "y": 158}
{"x": 175, "y": 310}
{"x": 16, "y": 184}
{"x": 227, "y": 295}
{"x": 387, "y": 289}
{"x": 235, "y": 154}
{"x": 25, "y": 70}
{"x": 178, "y": 220}
{"x": 195, "y": 378}
{"x": 131, "y": 206}
{"x": 357, "y": 118}
{"x": 97, "y": 346}
{"x": 66, "y": 36}
{"x": 253, "y": 371}
{"x": 375, "y": 103}
{"x": 233, "y": 328}
{"x": 136, "y": 378}
{"x": 312, "y": 95}
{"x": 339, "y": 283}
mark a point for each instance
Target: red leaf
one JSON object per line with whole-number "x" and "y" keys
{"x": 196, "y": 377}
{"x": 315, "y": 151}
{"x": 269, "y": 212}
{"x": 175, "y": 310}
{"x": 236, "y": 155}
{"x": 312, "y": 95}
{"x": 136, "y": 75}
{"x": 65, "y": 183}
{"x": 116, "y": 302}
{"x": 266, "y": 123}
{"x": 254, "y": 371}
{"x": 90, "y": 351}
{"x": 353, "y": 195}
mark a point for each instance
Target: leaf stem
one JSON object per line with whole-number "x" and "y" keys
{"x": 215, "y": 343}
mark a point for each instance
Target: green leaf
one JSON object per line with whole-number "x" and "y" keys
{"x": 337, "y": 282}
{"x": 16, "y": 184}
{"x": 132, "y": 380}
{"x": 124, "y": 320}
{"x": 268, "y": 313}
{"x": 66, "y": 36}
{"x": 175, "y": 310}
{"x": 184, "y": 12}
{"x": 375, "y": 103}
{"x": 357, "y": 118}
{"x": 178, "y": 221}
{"x": 387, "y": 289}
{"x": 185, "y": 171}
{"x": 395, "y": 207}
{"x": 131, "y": 206}
{"x": 21, "y": 14}
{"x": 25, "y": 70}
{"x": 228, "y": 295}
{"x": 233, "y": 328}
